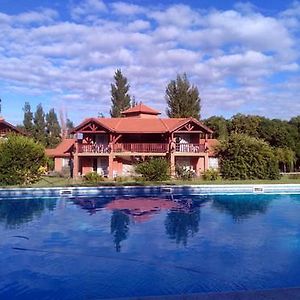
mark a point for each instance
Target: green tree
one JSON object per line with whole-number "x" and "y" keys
{"x": 219, "y": 125}
{"x": 53, "y": 129}
{"x": 245, "y": 157}
{"x": 155, "y": 169}
{"x": 28, "y": 119}
{"x": 40, "y": 125}
{"x": 119, "y": 95}
{"x": 245, "y": 124}
{"x": 70, "y": 126}
{"x": 21, "y": 160}
{"x": 286, "y": 158}
{"x": 182, "y": 99}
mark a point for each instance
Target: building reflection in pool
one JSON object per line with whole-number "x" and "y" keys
{"x": 182, "y": 219}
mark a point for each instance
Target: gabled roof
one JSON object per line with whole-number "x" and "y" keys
{"x": 140, "y": 125}
{"x": 140, "y": 108}
{"x": 62, "y": 149}
{"x": 9, "y": 126}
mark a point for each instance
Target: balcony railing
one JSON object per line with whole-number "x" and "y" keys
{"x": 141, "y": 147}
{"x": 93, "y": 148}
{"x": 189, "y": 148}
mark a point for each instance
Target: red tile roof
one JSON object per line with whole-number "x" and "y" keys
{"x": 62, "y": 149}
{"x": 140, "y": 125}
{"x": 141, "y": 108}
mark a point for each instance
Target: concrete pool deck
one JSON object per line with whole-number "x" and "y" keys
{"x": 273, "y": 294}
{"x": 180, "y": 190}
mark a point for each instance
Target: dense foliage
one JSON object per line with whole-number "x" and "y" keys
{"x": 21, "y": 160}
{"x": 93, "y": 177}
{"x": 277, "y": 133}
{"x": 43, "y": 127}
{"x": 155, "y": 169}
{"x": 182, "y": 99}
{"x": 119, "y": 95}
{"x": 211, "y": 175}
{"x": 245, "y": 157}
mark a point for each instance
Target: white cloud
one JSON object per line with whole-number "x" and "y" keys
{"x": 123, "y": 8}
{"x": 87, "y": 7}
{"x": 75, "y": 61}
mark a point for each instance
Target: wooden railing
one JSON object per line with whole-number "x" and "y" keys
{"x": 93, "y": 148}
{"x": 141, "y": 147}
{"x": 189, "y": 148}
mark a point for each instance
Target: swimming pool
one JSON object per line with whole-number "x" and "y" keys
{"x": 121, "y": 246}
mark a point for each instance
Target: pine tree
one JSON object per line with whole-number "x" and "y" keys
{"x": 53, "y": 129}
{"x": 119, "y": 95}
{"x": 70, "y": 125}
{"x": 40, "y": 125}
{"x": 182, "y": 99}
{"x": 28, "y": 119}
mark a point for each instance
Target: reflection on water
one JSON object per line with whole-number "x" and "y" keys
{"x": 243, "y": 207}
{"x": 14, "y": 213}
{"x": 119, "y": 226}
{"x": 183, "y": 222}
{"x": 105, "y": 247}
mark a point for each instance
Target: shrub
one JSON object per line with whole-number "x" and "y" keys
{"x": 245, "y": 157}
{"x": 93, "y": 177}
{"x": 210, "y": 175}
{"x": 21, "y": 160}
{"x": 184, "y": 173}
{"x": 155, "y": 169}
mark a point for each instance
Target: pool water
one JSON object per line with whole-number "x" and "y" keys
{"x": 93, "y": 248}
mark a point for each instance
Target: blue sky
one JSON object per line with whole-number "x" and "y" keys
{"x": 243, "y": 56}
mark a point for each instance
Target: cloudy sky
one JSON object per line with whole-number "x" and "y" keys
{"x": 243, "y": 56}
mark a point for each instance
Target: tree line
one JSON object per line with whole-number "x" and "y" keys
{"x": 44, "y": 127}
{"x": 282, "y": 135}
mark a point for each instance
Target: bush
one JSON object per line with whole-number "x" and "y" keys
{"x": 21, "y": 160}
{"x": 184, "y": 173}
{"x": 93, "y": 177}
{"x": 245, "y": 157}
{"x": 155, "y": 169}
{"x": 211, "y": 175}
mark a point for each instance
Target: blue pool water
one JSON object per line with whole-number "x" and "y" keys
{"x": 91, "y": 248}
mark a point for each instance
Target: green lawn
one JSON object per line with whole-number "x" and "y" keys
{"x": 60, "y": 182}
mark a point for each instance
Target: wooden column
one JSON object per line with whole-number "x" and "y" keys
{"x": 76, "y": 162}
{"x": 206, "y": 161}
{"x": 172, "y": 165}
{"x": 198, "y": 166}
{"x": 110, "y": 166}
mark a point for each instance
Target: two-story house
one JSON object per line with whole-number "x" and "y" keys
{"x": 113, "y": 146}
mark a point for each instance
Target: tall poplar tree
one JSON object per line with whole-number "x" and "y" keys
{"x": 40, "y": 125}
{"x": 182, "y": 98}
{"x": 120, "y": 98}
{"x": 28, "y": 119}
{"x": 53, "y": 129}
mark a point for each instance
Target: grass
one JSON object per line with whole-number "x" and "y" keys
{"x": 67, "y": 182}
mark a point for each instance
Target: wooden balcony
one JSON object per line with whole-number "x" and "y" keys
{"x": 141, "y": 147}
{"x": 93, "y": 148}
{"x": 153, "y": 148}
{"x": 189, "y": 148}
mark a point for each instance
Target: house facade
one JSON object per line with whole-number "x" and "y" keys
{"x": 113, "y": 146}
{"x": 7, "y": 128}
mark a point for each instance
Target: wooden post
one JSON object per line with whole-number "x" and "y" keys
{"x": 110, "y": 166}
{"x": 172, "y": 165}
{"x": 76, "y": 162}
{"x": 206, "y": 161}
{"x": 198, "y": 166}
